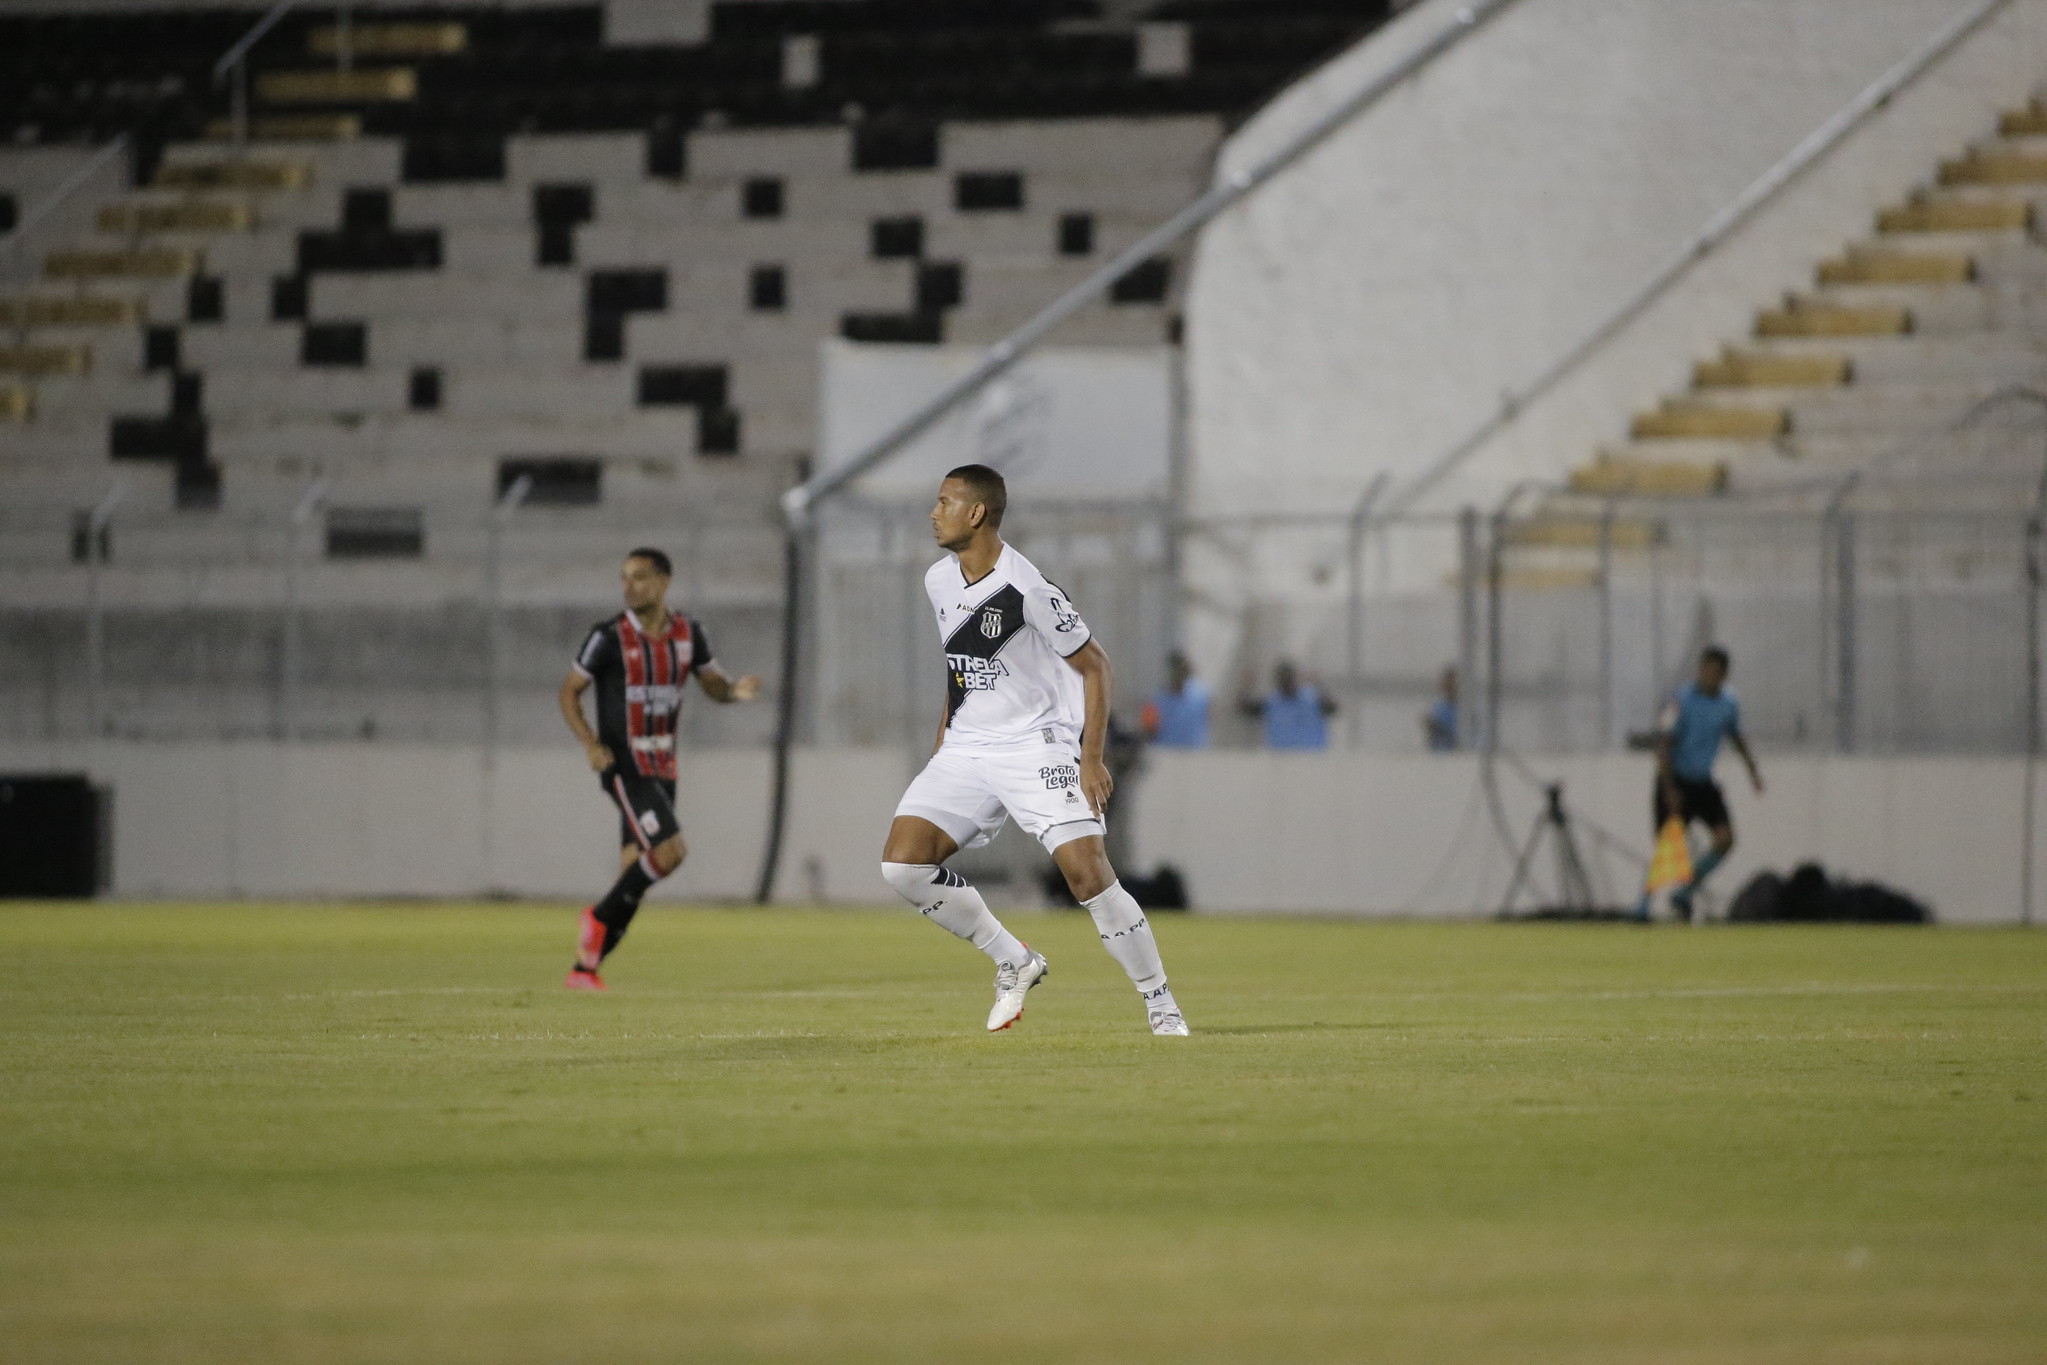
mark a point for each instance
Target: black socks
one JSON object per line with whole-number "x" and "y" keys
{"x": 622, "y": 902}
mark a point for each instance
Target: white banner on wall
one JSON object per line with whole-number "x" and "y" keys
{"x": 1081, "y": 423}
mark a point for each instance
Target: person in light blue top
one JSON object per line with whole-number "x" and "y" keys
{"x": 1176, "y": 717}
{"x": 1439, "y": 722}
{"x": 1690, "y": 728}
{"x": 1296, "y": 713}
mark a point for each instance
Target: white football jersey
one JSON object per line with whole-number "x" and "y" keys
{"x": 1007, "y": 639}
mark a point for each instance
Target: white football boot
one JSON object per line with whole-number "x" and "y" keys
{"x": 1012, "y": 984}
{"x": 1168, "y": 1024}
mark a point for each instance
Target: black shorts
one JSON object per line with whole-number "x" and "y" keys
{"x": 1701, "y": 801}
{"x": 646, "y": 807}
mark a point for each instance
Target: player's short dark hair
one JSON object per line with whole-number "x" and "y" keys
{"x": 1714, "y": 654}
{"x": 987, "y": 487}
{"x": 655, "y": 557}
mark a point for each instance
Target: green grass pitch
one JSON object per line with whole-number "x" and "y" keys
{"x": 362, "y": 1134}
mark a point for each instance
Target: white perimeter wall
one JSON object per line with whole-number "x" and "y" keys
{"x": 1370, "y": 307}
{"x": 1329, "y": 833}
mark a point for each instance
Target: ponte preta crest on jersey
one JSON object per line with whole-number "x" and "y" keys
{"x": 972, "y": 650}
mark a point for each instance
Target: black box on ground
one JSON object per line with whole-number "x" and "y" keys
{"x": 55, "y": 833}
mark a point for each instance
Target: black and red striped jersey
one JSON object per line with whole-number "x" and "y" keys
{"x": 639, "y": 680}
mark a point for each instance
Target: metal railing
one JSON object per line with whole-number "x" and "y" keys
{"x": 233, "y": 67}
{"x": 43, "y": 208}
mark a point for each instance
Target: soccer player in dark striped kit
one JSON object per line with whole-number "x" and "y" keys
{"x": 638, "y": 662}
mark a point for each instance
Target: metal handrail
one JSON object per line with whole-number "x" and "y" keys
{"x": 236, "y": 60}
{"x": 233, "y": 56}
{"x": 1703, "y": 242}
{"x": 71, "y": 185}
{"x": 1005, "y": 353}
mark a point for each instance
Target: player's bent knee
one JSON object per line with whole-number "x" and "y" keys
{"x": 912, "y": 839}
{"x": 668, "y": 855}
{"x": 912, "y": 881}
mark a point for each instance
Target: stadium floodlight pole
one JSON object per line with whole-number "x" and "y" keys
{"x": 1354, "y": 652}
{"x": 799, "y": 501}
{"x": 96, "y": 523}
{"x": 1874, "y": 96}
{"x": 288, "y": 671}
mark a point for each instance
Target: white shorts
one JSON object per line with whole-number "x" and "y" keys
{"x": 969, "y": 792}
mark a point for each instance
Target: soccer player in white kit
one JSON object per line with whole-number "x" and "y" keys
{"x": 1027, "y": 711}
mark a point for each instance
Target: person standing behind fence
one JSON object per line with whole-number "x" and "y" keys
{"x": 1689, "y": 730}
{"x": 1439, "y": 722}
{"x": 1176, "y": 717}
{"x": 1295, "y": 713}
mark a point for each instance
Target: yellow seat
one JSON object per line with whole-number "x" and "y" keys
{"x": 76, "y": 311}
{"x": 378, "y": 85}
{"x": 42, "y": 360}
{"x": 234, "y": 175}
{"x": 1621, "y": 476}
{"x": 1957, "y": 215}
{"x": 2030, "y": 121}
{"x": 391, "y": 40}
{"x": 1999, "y": 167}
{"x": 1800, "y": 319}
{"x": 1761, "y": 369}
{"x": 192, "y": 216}
{"x": 1679, "y": 420}
{"x": 1864, "y": 266}
{"x": 155, "y": 262}
{"x": 291, "y": 128}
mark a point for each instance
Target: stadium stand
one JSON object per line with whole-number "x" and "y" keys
{"x": 491, "y": 245}
{"x": 1900, "y": 334}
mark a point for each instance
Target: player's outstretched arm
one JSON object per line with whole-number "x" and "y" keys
{"x": 1755, "y": 774}
{"x": 1091, "y": 661}
{"x": 720, "y": 688}
{"x": 571, "y": 700}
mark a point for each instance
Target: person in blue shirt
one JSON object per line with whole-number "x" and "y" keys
{"x": 1296, "y": 714}
{"x": 1176, "y": 717}
{"x": 1689, "y": 730}
{"x": 1439, "y": 722}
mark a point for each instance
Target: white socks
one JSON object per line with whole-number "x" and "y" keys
{"x": 945, "y": 899}
{"x": 1127, "y": 935}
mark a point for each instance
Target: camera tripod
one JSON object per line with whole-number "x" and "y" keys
{"x": 1574, "y": 884}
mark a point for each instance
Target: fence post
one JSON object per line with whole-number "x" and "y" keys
{"x": 1606, "y": 625}
{"x": 289, "y": 664}
{"x": 1844, "y": 631}
{"x": 1495, "y": 646}
{"x": 1354, "y": 615}
{"x": 501, "y": 516}
{"x": 1467, "y": 621}
{"x": 2033, "y": 575}
{"x": 95, "y": 619}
